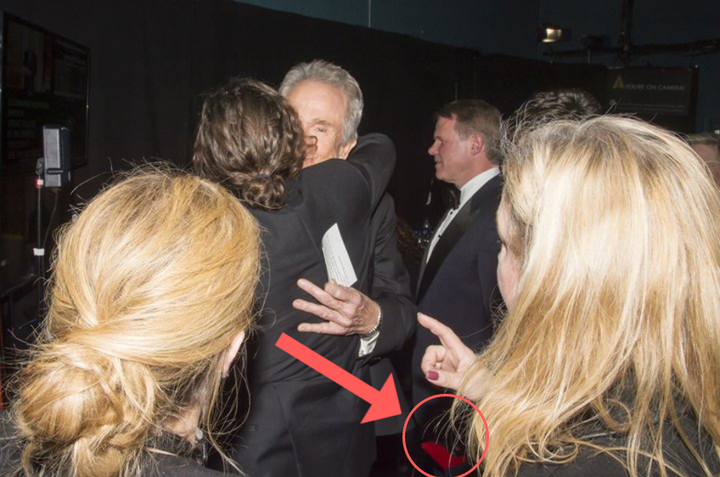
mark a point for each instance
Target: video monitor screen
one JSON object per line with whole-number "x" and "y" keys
{"x": 45, "y": 80}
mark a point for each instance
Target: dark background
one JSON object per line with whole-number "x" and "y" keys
{"x": 151, "y": 62}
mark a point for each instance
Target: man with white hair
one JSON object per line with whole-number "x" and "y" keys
{"x": 329, "y": 103}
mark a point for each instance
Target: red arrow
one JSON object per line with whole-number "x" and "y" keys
{"x": 384, "y": 403}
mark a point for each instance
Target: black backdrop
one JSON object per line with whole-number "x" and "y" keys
{"x": 152, "y": 60}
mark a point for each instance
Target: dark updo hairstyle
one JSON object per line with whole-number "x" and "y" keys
{"x": 546, "y": 106}
{"x": 250, "y": 140}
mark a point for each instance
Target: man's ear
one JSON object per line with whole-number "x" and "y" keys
{"x": 345, "y": 149}
{"x": 232, "y": 352}
{"x": 477, "y": 143}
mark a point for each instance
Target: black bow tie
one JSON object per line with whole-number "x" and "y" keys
{"x": 452, "y": 197}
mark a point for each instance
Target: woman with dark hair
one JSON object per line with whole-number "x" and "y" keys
{"x": 250, "y": 139}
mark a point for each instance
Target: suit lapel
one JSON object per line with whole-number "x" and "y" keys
{"x": 453, "y": 234}
{"x": 445, "y": 244}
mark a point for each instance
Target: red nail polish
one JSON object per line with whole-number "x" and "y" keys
{"x": 432, "y": 375}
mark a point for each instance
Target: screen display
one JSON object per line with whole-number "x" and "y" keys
{"x": 45, "y": 81}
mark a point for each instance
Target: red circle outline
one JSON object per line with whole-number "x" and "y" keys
{"x": 487, "y": 433}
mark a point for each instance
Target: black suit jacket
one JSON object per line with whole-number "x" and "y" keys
{"x": 300, "y": 423}
{"x": 390, "y": 288}
{"x": 458, "y": 285}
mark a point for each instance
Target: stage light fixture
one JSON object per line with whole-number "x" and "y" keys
{"x": 549, "y": 33}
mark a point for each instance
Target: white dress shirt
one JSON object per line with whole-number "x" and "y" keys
{"x": 466, "y": 192}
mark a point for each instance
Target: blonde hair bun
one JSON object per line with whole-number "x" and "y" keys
{"x": 150, "y": 285}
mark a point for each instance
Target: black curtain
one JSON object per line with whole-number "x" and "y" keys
{"x": 151, "y": 62}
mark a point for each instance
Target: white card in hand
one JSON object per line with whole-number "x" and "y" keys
{"x": 337, "y": 260}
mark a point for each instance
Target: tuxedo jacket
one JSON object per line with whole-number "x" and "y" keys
{"x": 458, "y": 284}
{"x": 301, "y": 423}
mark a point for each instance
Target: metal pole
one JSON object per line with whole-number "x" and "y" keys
{"x": 626, "y": 31}
{"x": 39, "y": 251}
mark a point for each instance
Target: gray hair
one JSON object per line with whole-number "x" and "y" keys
{"x": 325, "y": 72}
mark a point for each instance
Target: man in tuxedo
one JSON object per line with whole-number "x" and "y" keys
{"x": 329, "y": 103}
{"x": 458, "y": 283}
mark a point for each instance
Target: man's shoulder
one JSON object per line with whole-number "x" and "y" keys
{"x": 327, "y": 168}
{"x": 333, "y": 181}
{"x": 490, "y": 192}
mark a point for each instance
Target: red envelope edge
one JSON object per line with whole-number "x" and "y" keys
{"x": 441, "y": 456}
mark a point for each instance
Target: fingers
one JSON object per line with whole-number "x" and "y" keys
{"x": 323, "y": 328}
{"x": 334, "y": 296}
{"x": 447, "y": 336}
{"x": 316, "y": 292}
{"x": 433, "y": 358}
{"x": 438, "y": 368}
{"x": 435, "y": 326}
{"x": 444, "y": 379}
{"x": 323, "y": 312}
{"x": 344, "y": 294}
{"x": 444, "y": 365}
{"x": 346, "y": 308}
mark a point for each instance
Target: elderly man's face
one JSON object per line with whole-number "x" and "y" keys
{"x": 321, "y": 108}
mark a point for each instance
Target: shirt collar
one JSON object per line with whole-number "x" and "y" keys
{"x": 474, "y": 184}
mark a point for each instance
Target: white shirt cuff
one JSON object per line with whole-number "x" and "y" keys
{"x": 367, "y": 343}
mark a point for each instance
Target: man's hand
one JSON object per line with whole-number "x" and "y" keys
{"x": 345, "y": 310}
{"x": 447, "y": 364}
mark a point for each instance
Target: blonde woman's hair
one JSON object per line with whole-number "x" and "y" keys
{"x": 150, "y": 285}
{"x": 616, "y": 320}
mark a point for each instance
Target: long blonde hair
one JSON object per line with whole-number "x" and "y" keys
{"x": 150, "y": 285}
{"x": 616, "y": 321}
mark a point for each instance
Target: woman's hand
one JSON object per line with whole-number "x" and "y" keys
{"x": 445, "y": 364}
